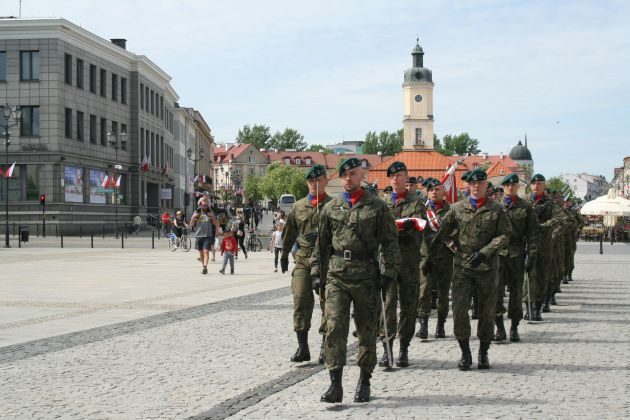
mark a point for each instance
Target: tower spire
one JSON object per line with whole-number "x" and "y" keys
{"x": 525, "y": 139}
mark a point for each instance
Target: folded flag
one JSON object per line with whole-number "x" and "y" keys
{"x": 417, "y": 223}
{"x": 9, "y": 172}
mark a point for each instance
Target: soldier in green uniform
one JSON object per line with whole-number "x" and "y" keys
{"x": 540, "y": 272}
{"x": 558, "y": 234}
{"x": 352, "y": 227}
{"x": 301, "y": 226}
{"x": 405, "y": 207}
{"x": 483, "y": 231}
{"x": 569, "y": 243}
{"x": 523, "y": 239}
{"x": 440, "y": 277}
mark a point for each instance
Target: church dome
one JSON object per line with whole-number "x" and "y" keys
{"x": 520, "y": 152}
{"x": 418, "y": 74}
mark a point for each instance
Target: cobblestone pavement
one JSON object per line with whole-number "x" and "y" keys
{"x": 83, "y": 339}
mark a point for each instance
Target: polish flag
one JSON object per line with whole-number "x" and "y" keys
{"x": 448, "y": 180}
{"x": 105, "y": 183}
{"x": 165, "y": 168}
{"x": 145, "y": 163}
{"x": 117, "y": 185}
{"x": 9, "y": 172}
{"x": 418, "y": 223}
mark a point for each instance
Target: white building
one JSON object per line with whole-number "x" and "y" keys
{"x": 585, "y": 186}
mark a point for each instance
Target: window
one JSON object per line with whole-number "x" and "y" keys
{"x": 162, "y": 107}
{"x": 103, "y": 83}
{"x": 29, "y": 124}
{"x": 92, "y": 78}
{"x": 29, "y": 65}
{"x": 142, "y": 153}
{"x": 418, "y": 135}
{"x": 287, "y": 161}
{"x": 152, "y": 104}
{"x": 123, "y": 129}
{"x": 67, "y": 68}
{"x": 114, "y": 127}
{"x": 114, "y": 87}
{"x": 123, "y": 90}
{"x": 103, "y": 131}
{"x": 308, "y": 161}
{"x": 79, "y": 125}
{"x": 15, "y": 185}
{"x": 79, "y": 73}
{"x": 364, "y": 164}
{"x": 93, "y": 129}
{"x": 3, "y": 65}
{"x": 141, "y": 96}
{"x": 298, "y": 161}
{"x": 68, "y": 123}
{"x": 32, "y": 182}
{"x": 146, "y": 98}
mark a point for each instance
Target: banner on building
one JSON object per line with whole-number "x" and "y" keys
{"x": 98, "y": 186}
{"x": 166, "y": 194}
{"x": 73, "y": 184}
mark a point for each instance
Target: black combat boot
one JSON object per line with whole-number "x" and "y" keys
{"x": 514, "y": 336}
{"x": 423, "y": 331}
{"x": 322, "y": 351}
{"x": 387, "y": 356}
{"x": 439, "y": 328}
{"x": 302, "y": 354}
{"x": 546, "y": 307}
{"x": 334, "y": 394}
{"x": 466, "y": 361}
{"x": 500, "y": 334}
{"x": 363, "y": 387}
{"x": 482, "y": 361}
{"x": 552, "y": 299}
{"x": 536, "y": 315}
{"x": 565, "y": 279}
{"x": 403, "y": 356}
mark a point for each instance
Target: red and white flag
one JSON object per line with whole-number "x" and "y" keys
{"x": 448, "y": 180}
{"x": 105, "y": 183}
{"x": 117, "y": 185}
{"x": 416, "y": 222}
{"x": 145, "y": 163}
{"x": 165, "y": 168}
{"x": 9, "y": 172}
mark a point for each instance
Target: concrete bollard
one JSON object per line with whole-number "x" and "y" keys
{"x": 152, "y": 239}
{"x": 92, "y": 240}
{"x": 61, "y": 235}
{"x": 122, "y": 241}
{"x": 601, "y": 243}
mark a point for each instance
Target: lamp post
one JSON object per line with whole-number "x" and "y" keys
{"x": 117, "y": 141}
{"x": 16, "y": 114}
{"x": 189, "y": 153}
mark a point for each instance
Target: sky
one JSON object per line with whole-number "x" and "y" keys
{"x": 556, "y": 71}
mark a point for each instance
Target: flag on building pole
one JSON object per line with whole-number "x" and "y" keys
{"x": 448, "y": 180}
{"x": 9, "y": 172}
{"x": 165, "y": 169}
{"x": 117, "y": 185}
{"x": 105, "y": 183}
{"x": 145, "y": 163}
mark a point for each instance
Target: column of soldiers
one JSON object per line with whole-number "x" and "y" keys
{"x": 374, "y": 254}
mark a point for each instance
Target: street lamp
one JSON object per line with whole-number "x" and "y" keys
{"x": 117, "y": 141}
{"x": 15, "y": 113}
{"x": 189, "y": 153}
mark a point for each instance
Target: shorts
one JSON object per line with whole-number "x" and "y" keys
{"x": 205, "y": 242}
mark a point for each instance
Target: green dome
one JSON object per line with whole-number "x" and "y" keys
{"x": 520, "y": 152}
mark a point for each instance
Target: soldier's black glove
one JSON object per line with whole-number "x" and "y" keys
{"x": 311, "y": 237}
{"x": 284, "y": 264}
{"x": 317, "y": 283}
{"x": 530, "y": 260}
{"x": 475, "y": 259}
{"x": 426, "y": 267}
{"x": 386, "y": 281}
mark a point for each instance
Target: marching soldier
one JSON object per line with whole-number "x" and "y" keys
{"x": 301, "y": 226}
{"x": 558, "y": 235}
{"x": 412, "y": 185}
{"x": 404, "y": 206}
{"x": 440, "y": 276}
{"x": 524, "y": 236}
{"x": 352, "y": 227}
{"x": 483, "y": 230}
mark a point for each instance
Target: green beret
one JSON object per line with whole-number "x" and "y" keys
{"x": 490, "y": 185}
{"x": 431, "y": 183}
{"x": 396, "y": 167}
{"x": 538, "y": 177}
{"x": 426, "y": 181}
{"x": 419, "y": 180}
{"x": 465, "y": 176}
{"x": 316, "y": 171}
{"x": 388, "y": 189}
{"x": 348, "y": 164}
{"x": 412, "y": 180}
{"x": 477, "y": 175}
{"x": 510, "y": 179}
{"x": 499, "y": 189}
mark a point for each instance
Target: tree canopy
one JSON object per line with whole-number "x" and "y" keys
{"x": 283, "y": 179}
{"x": 385, "y": 142}
{"x": 461, "y": 144}
{"x": 253, "y": 187}
{"x": 317, "y": 148}
{"x": 257, "y": 135}
{"x": 288, "y": 139}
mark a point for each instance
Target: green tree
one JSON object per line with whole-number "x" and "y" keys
{"x": 461, "y": 145}
{"x": 288, "y": 139}
{"x": 385, "y": 142}
{"x": 556, "y": 183}
{"x": 257, "y": 135}
{"x": 253, "y": 187}
{"x": 317, "y": 148}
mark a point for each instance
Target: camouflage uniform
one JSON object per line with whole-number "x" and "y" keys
{"x": 303, "y": 220}
{"x": 349, "y": 239}
{"x": 569, "y": 244}
{"x": 557, "y": 237}
{"x": 405, "y": 288}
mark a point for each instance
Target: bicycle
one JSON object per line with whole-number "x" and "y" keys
{"x": 254, "y": 243}
{"x": 174, "y": 243}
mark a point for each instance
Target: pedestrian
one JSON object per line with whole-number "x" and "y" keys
{"x": 352, "y": 228}
{"x": 202, "y": 222}
{"x": 407, "y": 209}
{"x": 238, "y": 230}
{"x": 275, "y": 246}
{"x": 179, "y": 224}
{"x": 481, "y": 229}
{"x": 229, "y": 250}
{"x": 137, "y": 224}
{"x": 301, "y": 229}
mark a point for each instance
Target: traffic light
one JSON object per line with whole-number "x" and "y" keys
{"x": 42, "y": 199}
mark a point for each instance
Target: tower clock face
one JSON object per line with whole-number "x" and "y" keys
{"x": 418, "y": 98}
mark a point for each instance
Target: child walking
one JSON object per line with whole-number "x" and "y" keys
{"x": 275, "y": 245}
{"x": 229, "y": 249}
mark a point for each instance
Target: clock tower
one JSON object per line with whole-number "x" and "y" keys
{"x": 418, "y": 104}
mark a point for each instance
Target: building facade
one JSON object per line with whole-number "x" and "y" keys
{"x": 621, "y": 179}
{"x": 585, "y": 186}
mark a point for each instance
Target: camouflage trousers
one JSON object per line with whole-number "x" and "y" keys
{"x": 439, "y": 279}
{"x": 512, "y": 275}
{"x": 557, "y": 266}
{"x": 363, "y": 294}
{"x": 405, "y": 291}
{"x": 304, "y": 300}
{"x": 569, "y": 253}
{"x": 539, "y": 278}
{"x": 465, "y": 283}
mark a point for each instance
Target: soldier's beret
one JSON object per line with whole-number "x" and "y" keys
{"x": 431, "y": 183}
{"x": 477, "y": 175}
{"x": 490, "y": 185}
{"x": 348, "y": 164}
{"x": 425, "y": 182}
{"x": 419, "y": 180}
{"x": 412, "y": 180}
{"x": 538, "y": 177}
{"x": 316, "y": 171}
{"x": 510, "y": 179}
{"x": 388, "y": 189}
{"x": 499, "y": 189}
{"x": 465, "y": 176}
{"x": 396, "y": 167}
